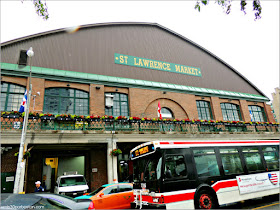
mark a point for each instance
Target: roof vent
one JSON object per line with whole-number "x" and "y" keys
{"x": 22, "y": 58}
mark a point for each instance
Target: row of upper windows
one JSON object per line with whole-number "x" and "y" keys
{"x": 73, "y": 101}
{"x": 231, "y": 112}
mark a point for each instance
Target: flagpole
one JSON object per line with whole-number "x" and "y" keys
{"x": 21, "y": 162}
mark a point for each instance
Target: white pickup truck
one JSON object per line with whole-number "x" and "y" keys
{"x": 71, "y": 185}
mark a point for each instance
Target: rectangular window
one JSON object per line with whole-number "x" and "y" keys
{"x": 125, "y": 188}
{"x": 253, "y": 159}
{"x": 66, "y": 101}
{"x": 204, "y": 110}
{"x": 231, "y": 161}
{"x": 11, "y": 96}
{"x": 206, "y": 162}
{"x": 257, "y": 114}
{"x": 175, "y": 166}
{"x": 231, "y": 112}
{"x": 120, "y": 105}
{"x": 271, "y": 157}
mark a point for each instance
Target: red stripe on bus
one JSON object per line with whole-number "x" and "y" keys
{"x": 219, "y": 142}
{"x": 190, "y": 196}
{"x": 147, "y": 198}
{"x": 170, "y": 198}
{"x": 178, "y": 197}
{"x": 220, "y": 185}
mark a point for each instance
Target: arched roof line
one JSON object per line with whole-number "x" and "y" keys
{"x": 110, "y": 24}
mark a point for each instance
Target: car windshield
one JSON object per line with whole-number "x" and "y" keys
{"x": 72, "y": 181}
{"x": 96, "y": 191}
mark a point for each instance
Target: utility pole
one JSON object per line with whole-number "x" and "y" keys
{"x": 18, "y": 185}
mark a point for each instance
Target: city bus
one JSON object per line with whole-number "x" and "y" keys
{"x": 203, "y": 174}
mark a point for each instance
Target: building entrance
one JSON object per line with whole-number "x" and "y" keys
{"x": 54, "y": 167}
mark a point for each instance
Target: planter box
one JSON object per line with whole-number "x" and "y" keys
{"x": 63, "y": 119}
{"x": 93, "y": 119}
{"x": 122, "y": 121}
{"x": 168, "y": 122}
{"x": 79, "y": 119}
{"x": 11, "y": 116}
{"x": 158, "y": 122}
{"x": 33, "y": 117}
{"x": 178, "y": 122}
{"x": 47, "y": 118}
{"x": 108, "y": 120}
{"x": 134, "y": 121}
{"x": 204, "y": 123}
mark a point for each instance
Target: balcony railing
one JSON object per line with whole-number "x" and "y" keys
{"x": 124, "y": 125}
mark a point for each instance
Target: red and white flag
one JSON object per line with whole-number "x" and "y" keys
{"x": 23, "y": 103}
{"x": 159, "y": 111}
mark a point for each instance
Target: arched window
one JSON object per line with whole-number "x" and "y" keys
{"x": 120, "y": 105}
{"x": 166, "y": 113}
{"x": 11, "y": 96}
{"x": 204, "y": 110}
{"x": 257, "y": 114}
{"x": 66, "y": 101}
{"x": 231, "y": 112}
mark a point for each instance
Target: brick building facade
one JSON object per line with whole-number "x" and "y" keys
{"x": 87, "y": 61}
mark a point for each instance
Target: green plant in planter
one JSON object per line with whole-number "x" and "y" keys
{"x": 121, "y": 118}
{"x": 31, "y": 114}
{"x": 115, "y": 152}
{"x": 93, "y": 117}
{"x": 10, "y": 113}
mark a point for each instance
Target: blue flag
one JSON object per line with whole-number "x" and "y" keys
{"x": 23, "y": 103}
{"x": 251, "y": 115}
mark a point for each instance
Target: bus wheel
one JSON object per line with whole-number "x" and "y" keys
{"x": 206, "y": 200}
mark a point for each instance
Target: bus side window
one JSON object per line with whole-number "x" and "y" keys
{"x": 206, "y": 162}
{"x": 231, "y": 161}
{"x": 271, "y": 157}
{"x": 253, "y": 159}
{"x": 175, "y": 166}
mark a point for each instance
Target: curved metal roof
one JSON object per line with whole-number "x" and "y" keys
{"x": 91, "y": 50}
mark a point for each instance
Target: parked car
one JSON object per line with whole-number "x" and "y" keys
{"x": 28, "y": 201}
{"x": 71, "y": 185}
{"x": 111, "y": 196}
{"x": 67, "y": 201}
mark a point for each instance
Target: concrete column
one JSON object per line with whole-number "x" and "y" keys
{"x": 112, "y": 161}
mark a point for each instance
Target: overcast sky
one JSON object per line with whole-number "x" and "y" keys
{"x": 251, "y": 47}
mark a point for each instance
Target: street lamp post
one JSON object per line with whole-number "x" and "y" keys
{"x": 18, "y": 186}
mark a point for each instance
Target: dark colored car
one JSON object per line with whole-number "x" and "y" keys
{"x": 27, "y": 201}
{"x": 67, "y": 201}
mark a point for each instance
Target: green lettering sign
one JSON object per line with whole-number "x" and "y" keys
{"x": 156, "y": 65}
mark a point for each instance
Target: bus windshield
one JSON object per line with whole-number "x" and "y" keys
{"x": 147, "y": 169}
